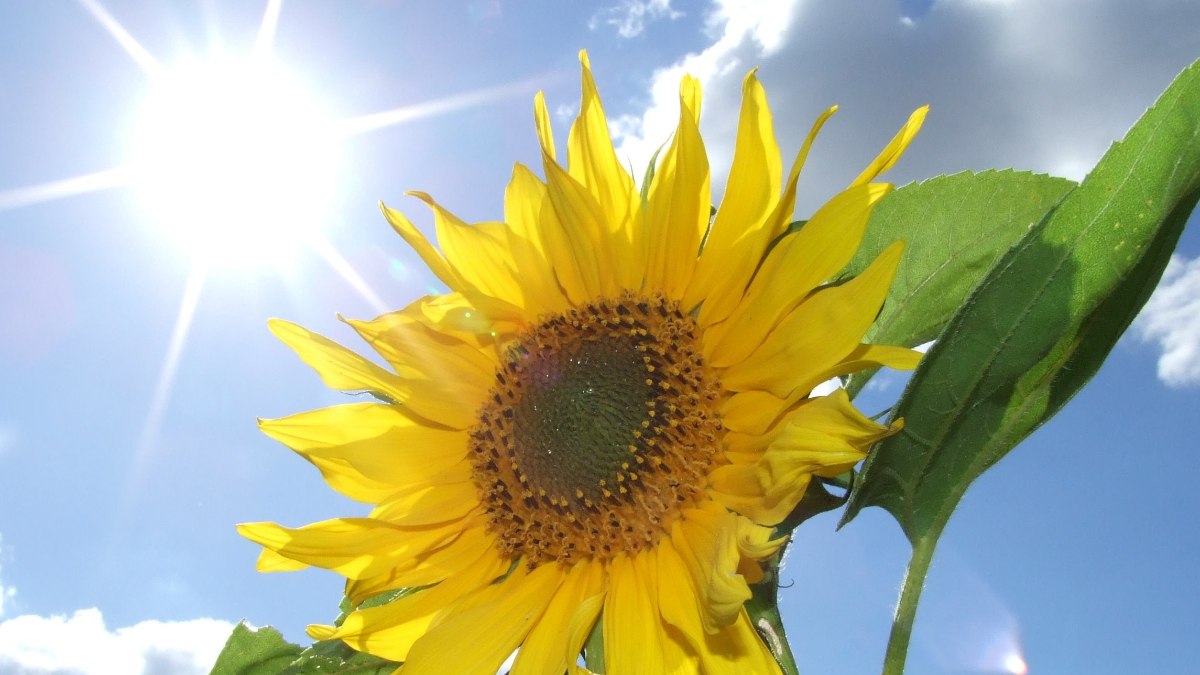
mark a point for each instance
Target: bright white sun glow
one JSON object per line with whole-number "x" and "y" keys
{"x": 1016, "y": 665}
{"x": 235, "y": 159}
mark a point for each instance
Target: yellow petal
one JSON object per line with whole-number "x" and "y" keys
{"x": 479, "y": 254}
{"x": 432, "y": 567}
{"x": 593, "y": 163}
{"x": 890, "y": 154}
{"x": 733, "y": 649}
{"x": 410, "y": 343}
{"x": 342, "y": 369}
{"x": 473, "y": 318}
{"x": 349, "y": 481}
{"x": 581, "y": 623}
{"x": 750, "y": 194}
{"x": 798, "y": 264}
{"x": 390, "y": 630}
{"x": 523, "y": 202}
{"x": 736, "y": 649}
{"x": 270, "y": 561}
{"x": 566, "y": 247}
{"x": 748, "y": 251}
{"x": 742, "y": 448}
{"x": 836, "y": 415}
{"x": 826, "y": 437}
{"x": 821, "y": 331}
{"x": 757, "y": 542}
{"x": 424, "y": 504}
{"x": 706, "y": 538}
{"x": 677, "y": 599}
{"x": 862, "y": 357}
{"x": 751, "y": 412}
{"x": 429, "y": 254}
{"x": 379, "y": 441}
{"x": 821, "y": 436}
{"x": 740, "y": 488}
{"x": 802, "y": 155}
{"x": 633, "y": 635}
{"x": 547, "y": 649}
{"x": 541, "y": 119}
{"x": 877, "y": 356}
{"x": 585, "y": 233}
{"x": 801, "y": 452}
{"x": 479, "y": 634}
{"x": 353, "y": 547}
{"x": 678, "y": 202}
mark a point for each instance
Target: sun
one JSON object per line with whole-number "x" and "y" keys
{"x": 236, "y": 159}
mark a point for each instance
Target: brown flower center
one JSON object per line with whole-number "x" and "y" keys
{"x": 601, "y": 426}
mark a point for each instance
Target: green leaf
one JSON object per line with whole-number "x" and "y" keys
{"x": 1035, "y": 330}
{"x": 955, "y": 227}
{"x": 265, "y": 652}
{"x": 334, "y": 656}
{"x": 1041, "y": 323}
{"x": 255, "y": 652}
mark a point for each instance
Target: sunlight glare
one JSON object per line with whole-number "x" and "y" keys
{"x": 118, "y": 32}
{"x": 236, "y": 159}
{"x": 66, "y": 187}
{"x": 343, "y": 267}
{"x": 1016, "y": 665}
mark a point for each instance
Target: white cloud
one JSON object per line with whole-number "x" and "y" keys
{"x": 735, "y": 26}
{"x": 1172, "y": 319}
{"x": 82, "y": 645}
{"x": 565, "y": 113}
{"x": 630, "y": 16}
{"x": 1044, "y": 85}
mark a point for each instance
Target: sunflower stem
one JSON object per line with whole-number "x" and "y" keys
{"x": 771, "y": 628}
{"x": 910, "y": 595}
{"x": 763, "y": 608}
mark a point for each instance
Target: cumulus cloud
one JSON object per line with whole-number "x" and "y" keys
{"x": 1044, "y": 85}
{"x": 1172, "y": 319}
{"x": 82, "y": 645}
{"x": 630, "y": 16}
{"x": 734, "y": 25}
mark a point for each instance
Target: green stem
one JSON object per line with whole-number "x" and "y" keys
{"x": 763, "y": 608}
{"x": 771, "y": 630}
{"x": 910, "y": 595}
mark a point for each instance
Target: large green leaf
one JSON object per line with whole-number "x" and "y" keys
{"x": 1036, "y": 329}
{"x": 956, "y": 228}
{"x": 1042, "y": 321}
{"x": 263, "y": 651}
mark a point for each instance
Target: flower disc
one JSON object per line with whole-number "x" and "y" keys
{"x": 601, "y": 425}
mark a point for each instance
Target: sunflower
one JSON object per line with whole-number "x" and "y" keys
{"x": 600, "y": 423}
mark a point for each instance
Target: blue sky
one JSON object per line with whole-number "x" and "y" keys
{"x": 132, "y": 375}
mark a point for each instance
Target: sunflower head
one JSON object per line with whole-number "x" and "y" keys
{"x": 598, "y": 427}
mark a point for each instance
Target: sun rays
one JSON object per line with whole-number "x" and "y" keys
{"x": 225, "y": 147}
